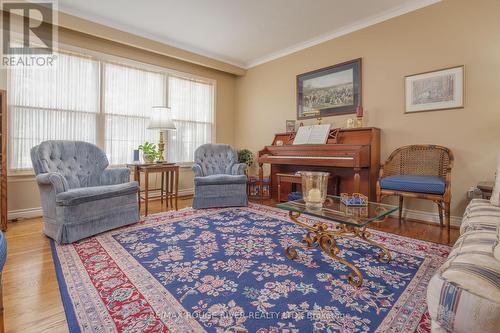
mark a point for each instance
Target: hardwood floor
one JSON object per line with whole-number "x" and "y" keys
{"x": 32, "y": 302}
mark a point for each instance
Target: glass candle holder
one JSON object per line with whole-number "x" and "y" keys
{"x": 314, "y": 188}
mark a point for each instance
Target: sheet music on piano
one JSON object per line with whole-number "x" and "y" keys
{"x": 314, "y": 134}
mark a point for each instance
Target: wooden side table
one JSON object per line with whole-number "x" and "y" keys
{"x": 169, "y": 188}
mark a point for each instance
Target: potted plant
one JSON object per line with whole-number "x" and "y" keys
{"x": 245, "y": 156}
{"x": 149, "y": 152}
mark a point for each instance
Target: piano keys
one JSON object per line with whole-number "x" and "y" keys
{"x": 351, "y": 154}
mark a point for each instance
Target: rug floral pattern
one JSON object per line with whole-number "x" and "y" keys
{"x": 227, "y": 270}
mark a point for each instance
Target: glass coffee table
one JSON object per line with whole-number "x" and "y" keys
{"x": 350, "y": 222}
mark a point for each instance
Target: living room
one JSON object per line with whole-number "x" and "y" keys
{"x": 272, "y": 166}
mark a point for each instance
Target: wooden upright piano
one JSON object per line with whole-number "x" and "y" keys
{"x": 351, "y": 154}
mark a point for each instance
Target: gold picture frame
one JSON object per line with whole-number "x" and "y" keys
{"x": 442, "y": 89}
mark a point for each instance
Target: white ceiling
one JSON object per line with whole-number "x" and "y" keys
{"x": 241, "y": 32}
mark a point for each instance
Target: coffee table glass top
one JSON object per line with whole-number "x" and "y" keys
{"x": 333, "y": 209}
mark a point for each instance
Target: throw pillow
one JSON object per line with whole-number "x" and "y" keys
{"x": 495, "y": 195}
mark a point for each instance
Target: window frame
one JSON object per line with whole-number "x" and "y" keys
{"x": 103, "y": 58}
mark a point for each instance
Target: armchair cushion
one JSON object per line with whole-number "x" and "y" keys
{"x": 215, "y": 159}
{"x": 85, "y": 194}
{"x": 220, "y": 180}
{"x": 115, "y": 176}
{"x": 463, "y": 294}
{"x": 81, "y": 163}
{"x": 197, "y": 170}
{"x": 55, "y": 179}
{"x": 3, "y": 251}
{"x": 418, "y": 184}
{"x": 238, "y": 169}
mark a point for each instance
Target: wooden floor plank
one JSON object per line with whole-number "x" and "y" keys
{"x": 32, "y": 300}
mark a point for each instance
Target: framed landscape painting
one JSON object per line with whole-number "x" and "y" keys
{"x": 436, "y": 90}
{"x": 329, "y": 91}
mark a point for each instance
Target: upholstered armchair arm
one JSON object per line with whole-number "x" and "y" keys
{"x": 54, "y": 179}
{"x": 238, "y": 169}
{"x": 197, "y": 170}
{"x": 115, "y": 176}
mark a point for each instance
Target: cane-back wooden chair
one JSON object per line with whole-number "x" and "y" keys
{"x": 419, "y": 171}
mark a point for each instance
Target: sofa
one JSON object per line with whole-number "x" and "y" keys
{"x": 80, "y": 196}
{"x": 464, "y": 294}
{"x": 219, "y": 180}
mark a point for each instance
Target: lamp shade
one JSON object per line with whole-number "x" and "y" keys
{"x": 161, "y": 118}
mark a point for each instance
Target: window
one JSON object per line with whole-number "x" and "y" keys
{"x": 59, "y": 103}
{"x": 129, "y": 95}
{"x": 192, "y": 105}
{"x": 106, "y": 103}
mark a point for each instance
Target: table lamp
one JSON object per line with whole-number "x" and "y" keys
{"x": 161, "y": 119}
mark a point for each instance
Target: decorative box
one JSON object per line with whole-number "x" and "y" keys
{"x": 356, "y": 199}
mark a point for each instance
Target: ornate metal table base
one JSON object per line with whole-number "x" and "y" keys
{"x": 320, "y": 235}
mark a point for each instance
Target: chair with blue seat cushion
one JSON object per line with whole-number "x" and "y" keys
{"x": 419, "y": 171}
{"x": 80, "y": 196}
{"x": 219, "y": 181}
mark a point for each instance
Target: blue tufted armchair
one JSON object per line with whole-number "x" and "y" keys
{"x": 3, "y": 257}
{"x": 80, "y": 197}
{"x": 219, "y": 180}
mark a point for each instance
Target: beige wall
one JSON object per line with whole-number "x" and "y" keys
{"x": 458, "y": 32}
{"x": 250, "y": 109}
{"x": 22, "y": 190}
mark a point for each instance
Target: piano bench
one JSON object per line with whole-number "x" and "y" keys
{"x": 290, "y": 179}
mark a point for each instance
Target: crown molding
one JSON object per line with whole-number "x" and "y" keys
{"x": 358, "y": 25}
{"x": 65, "y": 10}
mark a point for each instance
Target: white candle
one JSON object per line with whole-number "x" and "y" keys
{"x": 314, "y": 195}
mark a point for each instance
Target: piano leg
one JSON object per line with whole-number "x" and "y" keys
{"x": 356, "y": 180}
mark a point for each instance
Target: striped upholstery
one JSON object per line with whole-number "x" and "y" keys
{"x": 464, "y": 294}
{"x": 480, "y": 215}
{"x": 495, "y": 195}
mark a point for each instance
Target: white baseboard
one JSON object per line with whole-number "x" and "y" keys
{"x": 186, "y": 192}
{"x": 427, "y": 216}
{"x": 407, "y": 213}
{"x": 29, "y": 213}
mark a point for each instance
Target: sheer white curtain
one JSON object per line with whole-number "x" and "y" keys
{"x": 129, "y": 95}
{"x": 48, "y": 104}
{"x": 64, "y": 102}
{"x": 192, "y": 104}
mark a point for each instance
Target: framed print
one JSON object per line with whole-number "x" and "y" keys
{"x": 436, "y": 90}
{"x": 290, "y": 126}
{"x": 332, "y": 91}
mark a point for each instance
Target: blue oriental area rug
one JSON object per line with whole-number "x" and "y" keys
{"x": 224, "y": 270}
